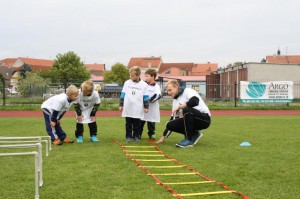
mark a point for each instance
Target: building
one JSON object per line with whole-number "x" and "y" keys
{"x": 223, "y": 83}
{"x": 10, "y": 68}
{"x": 176, "y": 69}
{"x": 145, "y": 63}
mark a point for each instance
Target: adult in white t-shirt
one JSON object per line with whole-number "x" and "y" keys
{"x": 189, "y": 115}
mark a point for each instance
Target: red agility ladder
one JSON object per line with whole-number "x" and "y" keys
{"x": 150, "y": 158}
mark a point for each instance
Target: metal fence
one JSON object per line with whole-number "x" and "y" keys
{"x": 222, "y": 95}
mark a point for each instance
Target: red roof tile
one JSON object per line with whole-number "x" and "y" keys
{"x": 98, "y": 67}
{"x": 167, "y": 66}
{"x": 8, "y": 62}
{"x": 145, "y": 62}
{"x": 204, "y": 69}
{"x": 185, "y": 78}
{"x": 37, "y": 64}
{"x": 281, "y": 59}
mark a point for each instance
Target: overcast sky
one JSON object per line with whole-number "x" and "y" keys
{"x": 110, "y": 31}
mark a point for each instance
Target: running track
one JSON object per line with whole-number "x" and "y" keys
{"x": 163, "y": 113}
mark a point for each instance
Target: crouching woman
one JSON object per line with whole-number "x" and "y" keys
{"x": 189, "y": 115}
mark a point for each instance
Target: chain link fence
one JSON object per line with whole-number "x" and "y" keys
{"x": 215, "y": 95}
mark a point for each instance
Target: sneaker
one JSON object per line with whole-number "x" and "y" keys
{"x": 57, "y": 142}
{"x": 180, "y": 143}
{"x": 197, "y": 137}
{"x": 184, "y": 143}
{"x": 94, "y": 138}
{"x": 136, "y": 139}
{"x": 68, "y": 140}
{"x": 152, "y": 137}
{"x": 79, "y": 139}
{"x": 128, "y": 139}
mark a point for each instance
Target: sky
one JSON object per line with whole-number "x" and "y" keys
{"x": 180, "y": 31}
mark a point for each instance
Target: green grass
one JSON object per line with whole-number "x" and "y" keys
{"x": 267, "y": 169}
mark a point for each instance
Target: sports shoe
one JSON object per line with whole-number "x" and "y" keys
{"x": 152, "y": 137}
{"x": 57, "y": 142}
{"x": 136, "y": 139}
{"x": 68, "y": 140}
{"x": 79, "y": 139}
{"x": 94, "y": 138}
{"x": 197, "y": 137}
{"x": 128, "y": 139}
{"x": 184, "y": 143}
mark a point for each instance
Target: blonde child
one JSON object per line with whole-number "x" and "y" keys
{"x": 54, "y": 109}
{"x": 154, "y": 93}
{"x": 134, "y": 103}
{"x": 86, "y": 107}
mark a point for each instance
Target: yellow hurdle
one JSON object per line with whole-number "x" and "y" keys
{"x": 143, "y": 151}
{"x": 145, "y": 155}
{"x": 146, "y": 160}
{"x": 187, "y": 183}
{"x": 138, "y": 146}
{"x": 171, "y": 174}
{"x": 164, "y": 167}
{"x": 204, "y": 193}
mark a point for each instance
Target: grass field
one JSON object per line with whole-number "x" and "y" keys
{"x": 270, "y": 168}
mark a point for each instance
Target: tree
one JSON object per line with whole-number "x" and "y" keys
{"x": 33, "y": 84}
{"x": 118, "y": 74}
{"x": 23, "y": 70}
{"x": 68, "y": 68}
{"x": 2, "y": 81}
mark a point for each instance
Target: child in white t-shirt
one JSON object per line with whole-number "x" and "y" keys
{"x": 86, "y": 107}
{"x": 134, "y": 103}
{"x": 54, "y": 109}
{"x": 154, "y": 93}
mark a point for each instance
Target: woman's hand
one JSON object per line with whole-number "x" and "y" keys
{"x": 161, "y": 140}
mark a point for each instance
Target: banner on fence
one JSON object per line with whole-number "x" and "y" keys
{"x": 266, "y": 92}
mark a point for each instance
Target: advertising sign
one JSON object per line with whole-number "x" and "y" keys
{"x": 266, "y": 92}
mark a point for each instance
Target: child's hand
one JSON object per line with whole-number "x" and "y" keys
{"x": 146, "y": 110}
{"x": 93, "y": 118}
{"x": 79, "y": 118}
{"x": 120, "y": 108}
{"x": 161, "y": 140}
{"x": 52, "y": 124}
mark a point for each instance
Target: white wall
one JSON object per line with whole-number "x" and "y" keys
{"x": 263, "y": 72}
{"x": 273, "y": 72}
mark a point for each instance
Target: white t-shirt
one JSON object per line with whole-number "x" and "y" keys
{"x": 134, "y": 99}
{"x": 153, "y": 114}
{"x": 187, "y": 94}
{"x": 58, "y": 103}
{"x": 86, "y": 104}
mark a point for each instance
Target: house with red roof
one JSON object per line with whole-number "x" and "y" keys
{"x": 9, "y": 68}
{"x": 96, "y": 69}
{"x": 204, "y": 69}
{"x": 8, "y": 62}
{"x": 34, "y": 64}
{"x": 145, "y": 63}
{"x": 283, "y": 59}
{"x": 175, "y": 69}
